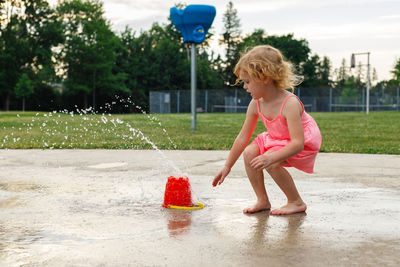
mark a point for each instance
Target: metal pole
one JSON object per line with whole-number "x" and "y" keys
{"x": 235, "y": 100}
{"x": 160, "y": 97}
{"x": 178, "y": 102}
{"x": 363, "y": 100}
{"x": 206, "y": 101}
{"x": 397, "y": 106}
{"x": 193, "y": 85}
{"x": 368, "y": 86}
{"x": 368, "y": 77}
{"x": 330, "y": 99}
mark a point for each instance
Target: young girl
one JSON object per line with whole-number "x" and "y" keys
{"x": 293, "y": 137}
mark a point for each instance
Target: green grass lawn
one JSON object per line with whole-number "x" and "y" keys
{"x": 349, "y": 132}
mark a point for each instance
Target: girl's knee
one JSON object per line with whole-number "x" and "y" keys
{"x": 250, "y": 152}
{"x": 273, "y": 168}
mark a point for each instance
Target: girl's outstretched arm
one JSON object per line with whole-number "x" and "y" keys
{"x": 240, "y": 143}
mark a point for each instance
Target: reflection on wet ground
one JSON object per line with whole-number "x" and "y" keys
{"x": 15, "y": 241}
{"x": 179, "y": 221}
{"x": 64, "y": 216}
{"x": 289, "y": 224}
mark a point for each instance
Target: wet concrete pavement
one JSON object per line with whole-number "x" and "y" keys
{"x": 103, "y": 208}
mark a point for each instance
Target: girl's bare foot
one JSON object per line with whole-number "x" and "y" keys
{"x": 290, "y": 208}
{"x": 259, "y": 206}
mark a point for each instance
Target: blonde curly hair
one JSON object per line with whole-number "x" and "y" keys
{"x": 265, "y": 61}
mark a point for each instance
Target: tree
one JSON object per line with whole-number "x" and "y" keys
{"x": 208, "y": 76}
{"x": 396, "y": 72}
{"x": 316, "y": 74}
{"x": 310, "y": 69}
{"x": 341, "y": 74}
{"x": 388, "y": 87}
{"x": 374, "y": 77}
{"x": 349, "y": 91}
{"x": 324, "y": 73}
{"x": 230, "y": 39}
{"x": 157, "y": 60}
{"x": 294, "y": 50}
{"x": 28, "y": 31}
{"x": 24, "y": 89}
{"x": 89, "y": 51}
{"x": 360, "y": 76}
{"x": 154, "y": 60}
{"x": 132, "y": 61}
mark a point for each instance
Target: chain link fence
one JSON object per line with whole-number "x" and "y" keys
{"x": 237, "y": 100}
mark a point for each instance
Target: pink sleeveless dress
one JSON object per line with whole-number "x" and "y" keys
{"x": 278, "y": 136}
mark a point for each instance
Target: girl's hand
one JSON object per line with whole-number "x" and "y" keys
{"x": 220, "y": 177}
{"x": 261, "y": 162}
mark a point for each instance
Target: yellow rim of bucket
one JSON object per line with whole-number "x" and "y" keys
{"x": 199, "y": 207}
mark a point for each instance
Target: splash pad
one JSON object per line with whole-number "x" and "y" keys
{"x": 79, "y": 129}
{"x": 178, "y": 194}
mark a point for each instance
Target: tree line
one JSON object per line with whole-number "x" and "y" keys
{"x": 67, "y": 56}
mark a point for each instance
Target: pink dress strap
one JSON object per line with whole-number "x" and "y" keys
{"x": 284, "y": 102}
{"x": 258, "y": 106}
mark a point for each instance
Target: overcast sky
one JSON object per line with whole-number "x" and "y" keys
{"x": 333, "y": 28}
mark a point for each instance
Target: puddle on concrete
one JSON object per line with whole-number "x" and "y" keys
{"x": 9, "y": 193}
{"x": 18, "y": 187}
{"x": 10, "y": 202}
{"x": 15, "y": 243}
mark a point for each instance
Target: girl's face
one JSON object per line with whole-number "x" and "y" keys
{"x": 255, "y": 87}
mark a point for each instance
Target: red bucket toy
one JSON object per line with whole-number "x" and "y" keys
{"x": 178, "y": 192}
